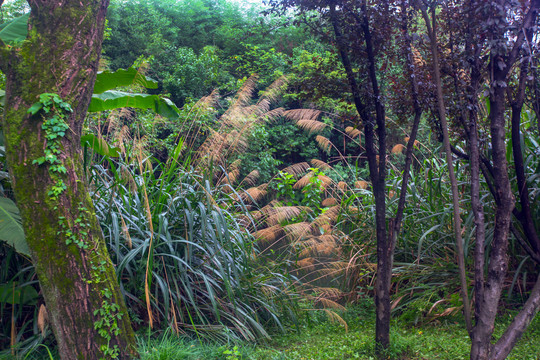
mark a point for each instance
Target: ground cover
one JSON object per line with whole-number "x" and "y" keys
{"x": 321, "y": 339}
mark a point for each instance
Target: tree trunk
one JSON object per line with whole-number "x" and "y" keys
{"x": 489, "y": 295}
{"x": 431, "y": 29}
{"x": 61, "y": 54}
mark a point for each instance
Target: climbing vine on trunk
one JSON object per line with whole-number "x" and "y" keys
{"x": 49, "y": 82}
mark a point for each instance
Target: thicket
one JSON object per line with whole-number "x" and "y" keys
{"x": 254, "y": 205}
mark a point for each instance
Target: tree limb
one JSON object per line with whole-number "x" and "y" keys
{"x": 518, "y": 326}
{"x": 432, "y": 33}
{"x": 528, "y": 22}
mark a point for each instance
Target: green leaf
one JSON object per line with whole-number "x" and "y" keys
{"x": 35, "y": 108}
{"x": 15, "y": 31}
{"x": 114, "y": 99}
{"x": 10, "y": 293}
{"x": 107, "y": 80}
{"x": 11, "y": 230}
{"x": 99, "y": 145}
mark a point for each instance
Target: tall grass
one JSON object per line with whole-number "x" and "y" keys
{"x": 184, "y": 258}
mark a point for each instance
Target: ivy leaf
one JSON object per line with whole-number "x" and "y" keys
{"x": 35, "y": 108}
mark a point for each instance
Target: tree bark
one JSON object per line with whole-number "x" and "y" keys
{"x": 525, "y": 214}
{"x": 501, "y": 64}
{"x": 61, "y": 54}
{"x": 386, "y": 237}
{"x": 453, "y": 181}
{"x": 377, "y": 175}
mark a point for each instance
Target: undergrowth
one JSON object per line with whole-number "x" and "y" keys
{"x": 321, "y": 339}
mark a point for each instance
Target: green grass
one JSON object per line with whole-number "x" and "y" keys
{"x": 320, "y": 339}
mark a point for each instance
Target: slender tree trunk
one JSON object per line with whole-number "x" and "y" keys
{"x": 396, "y": 222}
{"x": 453, "y": 182}
{"x": 85, "y": 306}
{"x": 386, "y": 238}
{"x": 377, "y": 175}
{"x": 498, "y": 264}
{"x": 524, "y": 215}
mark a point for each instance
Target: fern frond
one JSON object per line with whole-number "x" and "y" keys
{"x": 338, "y": 265}
{"x": 323, "y": 143}
{"x": 327, "y": 217}
{"x": 273, "y": 114}
{"x": 261, "y": 108}
{"x": 398, "y": 149}
{"x": 320, "y": 249}
{"x": 320, "y": 164}
{"x": 336, "y": 318}
{"x": 251, "y": 178}
{"x": 361, "y": 184}
{"x": 328, "y": 239}
{"x": 245, "y": 94}
{"x": 311, "y": 126}
{"x": 329, "y": 202}
{"x": 275, "y": 90}
{"x": 342, "y": 185}
{"x": 282, "y": 213}
{"x": 208, "y": 101}
{"x": 303, "y": 181}
{"x": 230, "y": 177}
{"x": 325, "y": 181}
{"x": 309, "y": 242}
{"x": 329, "y": 292}
{"x": 296, "y": 169}
{"x": 352, "y": 132}
{"x": 269, "y": 235}
{"x": 307, "y": 264}
{"x": 297, "y": 231}
{"x": 256, "y": 215}
{"x": 302, "y": 114}
{"x": 416, "y": 142}
{"x": 326, "y": 228}
{"x": 330, "y": 304}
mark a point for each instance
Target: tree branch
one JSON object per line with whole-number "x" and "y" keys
{"x": 528, "y": 22}
{"x": 414, "y": 131}
{"x": 525, "y": 217}
{"x": 518, "y": 326}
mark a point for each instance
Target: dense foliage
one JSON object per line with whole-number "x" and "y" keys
{"x": 253, "y": 204}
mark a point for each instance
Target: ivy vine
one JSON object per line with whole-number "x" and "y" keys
{"x": 55, "y": 127}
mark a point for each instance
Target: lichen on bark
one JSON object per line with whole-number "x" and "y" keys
{"x": 60, "y": 55}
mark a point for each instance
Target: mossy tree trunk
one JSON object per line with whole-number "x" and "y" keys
{"x": 61, "y": 54}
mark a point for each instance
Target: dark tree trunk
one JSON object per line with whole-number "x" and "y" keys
{"x": 61, "y": 54}
{"x": 489, "y": 288}
{"x": 375, "y": 129}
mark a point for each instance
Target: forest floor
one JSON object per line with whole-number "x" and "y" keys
{"x": 321, "y": 339}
